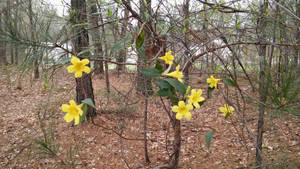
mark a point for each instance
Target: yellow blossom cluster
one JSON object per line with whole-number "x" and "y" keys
{"x": 182, "y": 110}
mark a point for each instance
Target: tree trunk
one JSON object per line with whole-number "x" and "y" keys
{"x": 187, "y": 54}
{"x": 105, "y": 50}
{"x": 16, "y": 46}
{"x": 262, "y": 80}
{"x": 2, "y": 44}
{"x": 122, "y": 53}
{"x": 174, "y": 160}
{"x": 33, "y": 39}
{"x": 297, "y": 49}
{"x": 84, "y": 87}
{"x": 96, "y": 36}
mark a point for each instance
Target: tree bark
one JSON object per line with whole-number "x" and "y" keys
{"x": 261, "y": 25}
{"x": 16, "y": 46}
{"x": 105, "y": 50}
{"x": 187, "y": 54}
{"x": 84, "y": 87}
{"x": 297, "y": 49}
{"x": 122, "y": 53}
{"x": 2, "y": 44}
{"x": 33, "y": 39}
{"x": 174, "y": 160}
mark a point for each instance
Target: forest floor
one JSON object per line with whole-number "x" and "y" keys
{"x": 33, "y": 133}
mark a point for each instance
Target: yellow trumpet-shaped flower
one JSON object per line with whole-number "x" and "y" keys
{"x": 176, "y": 74}
{"x": 226, "y": 110}
{"x": 182, "y": 110}
{"x": 73, "y": 111}
{"x": 78, "y": 66}
{"x": 212, "y": 81}
{"x": 195, "y": 98}
{"x": 168, "y": 58}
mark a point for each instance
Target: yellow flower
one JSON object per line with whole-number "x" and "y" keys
{"x": 168, "y": 58}
{"x": 213, "y": 82}
{"x": 78, "y": 66}
{"x": 182, "y": 110}
{"x": 226, "y": 110}
{"x": 176, "y": 74}
{"x": 195, "y": 98}
{"x": 73, "y": 111}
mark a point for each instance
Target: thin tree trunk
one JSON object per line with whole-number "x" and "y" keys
{"x": 145, "y": 131}
{"x": 187, "y": 55}
{"x": 16, "y": 46}
{"x": 33, "y": 38}
{"x": 8, "y": 13}
{"x": 297, "y": 49}
{"x": 262, "y": 81}
{"x": 122, "y": 53}
{"x": 84, "y": 87}
{"x": 105, "y": 49}
{"x": 174, "y": 160}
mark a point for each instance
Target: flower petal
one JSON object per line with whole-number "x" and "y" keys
{"x": 190, "y": 107}
{"x": 85, "y": 61}
{"x": 197, "y": 105}
{"x": 72, "y": 103}
{"x": 172, "y": 74}
{"x": 75, "y": 60}
{"x": 181, "y": 103}
{"x": 231, "y": 108}
{"x": 179, "y": 116}
{"x": 80, "y": 111}
{"x": 76, "y": 120}
{"x": 86, "y": 69}
{"x": 65, "y": 107}
{"x": 175, "y": 108}
{"x": 180, "y": 80}
{"x": 222, "y": 109}
{"x": 199, "y": 92}
{"x": 78, "y": 74}
{"x": 70, "y": 68}
{"x": 68, "y": 118}
{"x": 224, "y": 114}
{"x": 162, "y": 58}
{"x": 188, "y": 115}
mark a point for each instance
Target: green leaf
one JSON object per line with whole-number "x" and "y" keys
{"x": 83, "y": 117}
{"x": 230, "y": 82}
{"x": 109, "y": 12}
{"x": 208, "y": 138}
{"x": 89, "y": 102}
{"x": 151, "y": 72}
{"x": 158, "y": 66}
{"x": 140, "y": 40}
{"x": 162, "y": 84}
{"x": 163, "y": 92}
{"x": 121, "y": 44}
{"x": 180, "y": 87}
